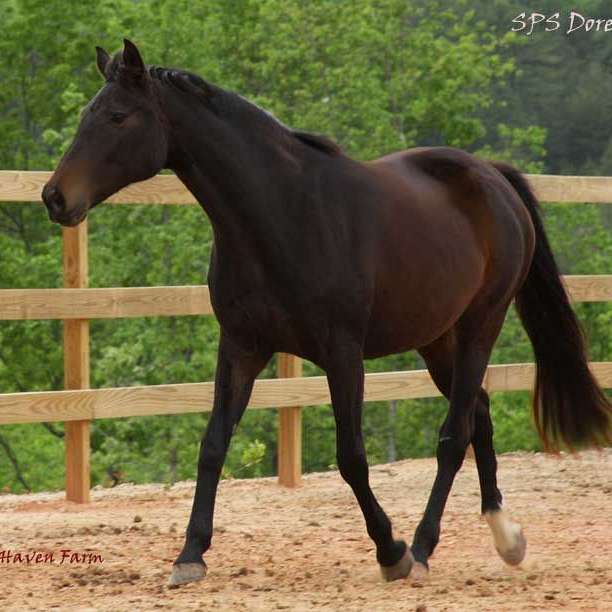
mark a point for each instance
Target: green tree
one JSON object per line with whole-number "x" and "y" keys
{"x": 376, "y": 75}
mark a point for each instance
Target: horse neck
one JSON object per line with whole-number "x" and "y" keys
{"x": 237, "y": 177}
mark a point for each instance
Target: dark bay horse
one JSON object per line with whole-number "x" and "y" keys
{"x": 336, "y": 261}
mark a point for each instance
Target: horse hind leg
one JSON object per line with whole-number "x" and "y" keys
{"x": 508, "y": 536}
{"x": 438, "y": 358}
{"x": 457, "y": 363}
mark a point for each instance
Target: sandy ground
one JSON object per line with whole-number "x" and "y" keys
{"x": 306, "y": 549}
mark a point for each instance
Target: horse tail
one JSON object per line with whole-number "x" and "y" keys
{"x": 569, "y": 407}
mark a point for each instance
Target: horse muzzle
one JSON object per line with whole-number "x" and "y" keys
{"x": 56, "y": 207}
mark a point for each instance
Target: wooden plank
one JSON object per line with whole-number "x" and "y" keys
{"x": 121, "y": 302}
{"x": 47, "y": 406}
{"x": 40, "y": 406}
{"x": 26, "y": 186}
{"x": 104, "y": 303}
{"x": 520, "y": 376}
{"x": 591, "y": 189}
{"x": 76, "y": 366}
{"x": 36, "y": 407}
{"x": 22, "y": 186}
{"x": 589, "y": 287}
{"x": 289, "y": 428}
{"x": 513, "y": 377}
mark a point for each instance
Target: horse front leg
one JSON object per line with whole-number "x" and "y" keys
{"x": 236, "y": 373}
{"x": 345, "y": 377}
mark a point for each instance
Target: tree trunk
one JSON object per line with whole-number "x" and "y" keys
{"x": 4, "y": 443}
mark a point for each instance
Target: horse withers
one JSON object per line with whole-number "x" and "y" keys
{"x": 334, "y": 260}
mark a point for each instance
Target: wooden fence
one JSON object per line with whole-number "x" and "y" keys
{"x": 76, "y": 304}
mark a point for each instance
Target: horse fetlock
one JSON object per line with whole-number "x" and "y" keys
{"x": 426, "y": 539}
{"x": 197, "y": 542}
{"x": 391, "y": 554}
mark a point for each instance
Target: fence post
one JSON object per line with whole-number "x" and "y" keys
{"x": 76, "y": 365}
{"x": 289, "y": 428}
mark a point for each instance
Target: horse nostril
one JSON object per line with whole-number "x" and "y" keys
{"x": 53, "y": 198}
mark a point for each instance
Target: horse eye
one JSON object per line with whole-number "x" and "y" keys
{"x": 118, "y": 117}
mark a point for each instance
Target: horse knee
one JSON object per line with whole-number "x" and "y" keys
{"x": 427, "y": 536}
{"x": 200, "y": 536}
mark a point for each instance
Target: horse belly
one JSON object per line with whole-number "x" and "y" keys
{"x": 414, "y": 308}
{"x": 409, "y": 329}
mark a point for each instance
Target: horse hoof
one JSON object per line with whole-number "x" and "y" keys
{"x": 419, "y": 573}
{"x": 515, "y": 554}
{"x": 508, "y": 536}
{"x": 401, "y": 569}
{"x": 183, "y": 573}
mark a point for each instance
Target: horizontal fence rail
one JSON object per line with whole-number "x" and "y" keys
{"x": 125, "y": 302}
{"x": 76, "y": 305}
{"x": 111, "y": 303}
{"x": 162, "y": 189}
{"x": 48, "y": 406}
{"x": 25, "y": 186}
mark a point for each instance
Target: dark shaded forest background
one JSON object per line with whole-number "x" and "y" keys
{"x": 376, "y": 75}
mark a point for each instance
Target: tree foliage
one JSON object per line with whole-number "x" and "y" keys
{"x": 377, "y": 76}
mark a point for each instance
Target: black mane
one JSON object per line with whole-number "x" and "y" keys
{"x": 318, "y": 141}
{"x": 224, "y": 102}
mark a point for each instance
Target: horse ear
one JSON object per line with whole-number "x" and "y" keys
{"x": 132, "y": 59}
{"x": 102, "y": 59}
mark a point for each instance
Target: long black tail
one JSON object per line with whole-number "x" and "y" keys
{"x": 569, "y": 407}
